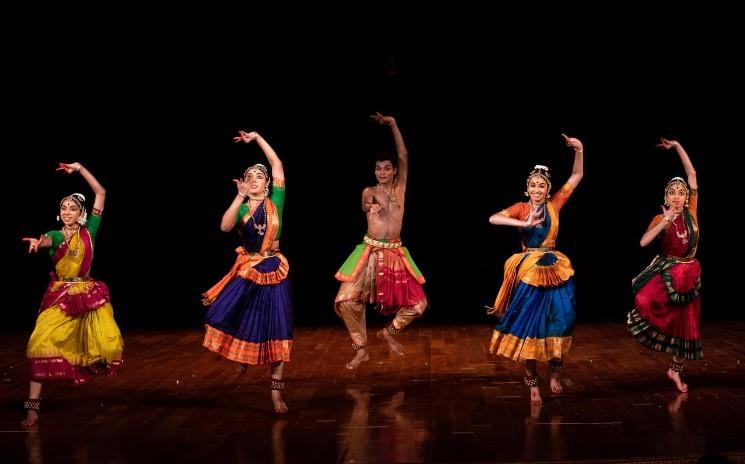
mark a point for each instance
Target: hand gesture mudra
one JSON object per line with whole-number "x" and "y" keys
{"x": 242, "y": 187}
{"x": 33, "y": 243}
{"x": 68, "y": 168}
{"x": 382, "y": 119}
{"x": 536, "y": 217}
{"x": 246, "y": 137}
{"x": 667, "y": 144}
{"x": 572, "y": 142}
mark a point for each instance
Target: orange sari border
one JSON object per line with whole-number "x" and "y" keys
{"x": 245, "y": 352}
{"x": 539, "y": 349}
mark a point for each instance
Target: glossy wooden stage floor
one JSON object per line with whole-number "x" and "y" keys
{"x": 447, "y": 400}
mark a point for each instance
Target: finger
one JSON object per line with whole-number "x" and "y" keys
{"x": 565, "y": 137}
{"x": 237, "y": 182}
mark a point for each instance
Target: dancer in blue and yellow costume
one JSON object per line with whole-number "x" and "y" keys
{"x": 75, "y": 335}
{"x": 536, "y": 301}
{"x": 250, "y": 316}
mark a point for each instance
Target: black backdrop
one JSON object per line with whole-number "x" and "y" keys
{"x": 153, "y": 116}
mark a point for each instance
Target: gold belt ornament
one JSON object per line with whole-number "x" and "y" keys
{"x": 265, "y": 254}
{"x": 379, "y": 244}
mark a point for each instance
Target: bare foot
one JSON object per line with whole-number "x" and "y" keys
{"x": 535, "y": 396}
{"x": 556, "y": 387}
{"x": 358, "y": 359}
{"x": 392, "y": 343}
{"x": 280, "y": 406}
{"x": 241, "y": 368}
{"x": 32, "y": 418}
{"x": 675, "y": 377}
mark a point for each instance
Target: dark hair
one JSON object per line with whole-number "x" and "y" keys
{"x": 386, "y": 156}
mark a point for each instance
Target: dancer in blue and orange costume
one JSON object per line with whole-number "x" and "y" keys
{"x": 75, "y": 335}
{"x": 380, "y": 270}
{"x": 536, "y": 301}
{"x": 667, "y": 311}
{"x": 250, "y": 316}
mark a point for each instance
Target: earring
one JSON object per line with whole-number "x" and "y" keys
{"x": 526, "y": 194}
{"x": 548, "y": 195}
{"x": 266, "y": 192}
{"x": 58, "y": 218}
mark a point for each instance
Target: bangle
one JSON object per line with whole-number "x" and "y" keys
{"x": 244, "y": 195}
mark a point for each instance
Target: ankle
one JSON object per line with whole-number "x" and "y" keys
{"x": 532, "y": 381}
{"x": 676, "y": 367}
{"x": 32, "y": 404}
{"x": 277, "y": 385}
{"x": 555, "y": 365}
{"x": 391, "y": 330}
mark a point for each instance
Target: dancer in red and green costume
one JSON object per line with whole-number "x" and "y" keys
{"x": 380, "y": 270}
{"x": 536, "y": 301}
{"x": 75, "y": 335}
{"x": 666, "y": 316}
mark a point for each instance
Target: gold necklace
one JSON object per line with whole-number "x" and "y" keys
{"x": 390, "y": 193}
{"x": 259, "y": 228}
{"x": 73, "y": 252}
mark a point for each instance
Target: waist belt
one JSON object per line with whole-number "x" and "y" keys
{"x": 264, "y": 254}
{"x": 379, "y": 244}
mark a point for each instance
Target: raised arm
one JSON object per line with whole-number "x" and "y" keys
{"x": 278, "y": 172}
{"x": 401, "y": 151}
{"x": 687, "y": 165}
{"x": 98, "y": 190}
{"x": 578, "y": 169}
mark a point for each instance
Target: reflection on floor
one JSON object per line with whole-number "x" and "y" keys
{"x": 447, "y": 400}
